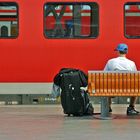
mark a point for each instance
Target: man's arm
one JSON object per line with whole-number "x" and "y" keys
{"x": 106, "y": 68}
{"x": 135, "y": 68}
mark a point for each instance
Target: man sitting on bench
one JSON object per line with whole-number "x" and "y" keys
{"x": 121, "y": 63}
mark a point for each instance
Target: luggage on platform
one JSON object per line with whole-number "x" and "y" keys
{"x": 74, "y": 100}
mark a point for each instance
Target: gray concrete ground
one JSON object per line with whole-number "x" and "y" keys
{"x": 47, "y": 122}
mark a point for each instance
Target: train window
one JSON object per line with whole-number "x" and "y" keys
{"x": 71, "y": 20}
{"x": 8, "y": 20}
{"x": 132, "y": 19}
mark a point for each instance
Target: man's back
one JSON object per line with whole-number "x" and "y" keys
{"x": 120, "y": 64}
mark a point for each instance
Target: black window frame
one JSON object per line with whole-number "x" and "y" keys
{"x": 72, "y": 3}
{"x": 125, "y": 35}
{"x": 17, "y": 6}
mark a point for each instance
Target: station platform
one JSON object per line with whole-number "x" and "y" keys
{"x": 47, "y": 122}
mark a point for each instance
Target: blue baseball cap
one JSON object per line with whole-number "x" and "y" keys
{"x": 122, "y": 47}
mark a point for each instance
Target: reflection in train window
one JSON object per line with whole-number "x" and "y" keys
{"x": 4, "y": 31}
{"x": 132, "y": 19}
{"x": 8, "y": 20}
{"x": 71, "y": 20}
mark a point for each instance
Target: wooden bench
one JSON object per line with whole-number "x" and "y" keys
{"x": 110, "y": 83}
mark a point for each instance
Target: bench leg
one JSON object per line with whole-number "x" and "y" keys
{"x": 105, "y": 115}
{"x": 104, "y": 107}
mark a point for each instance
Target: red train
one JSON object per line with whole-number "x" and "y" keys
{"x": 39, "y": 37}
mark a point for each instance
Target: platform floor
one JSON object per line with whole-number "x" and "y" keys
{"x": 47, "y": 122}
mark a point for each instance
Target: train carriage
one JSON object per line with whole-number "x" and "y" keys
{"x": 39, "y": 37}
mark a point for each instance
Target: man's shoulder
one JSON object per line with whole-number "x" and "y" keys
{"x": 130, "y": 60}
{"x": 113, "y": 59}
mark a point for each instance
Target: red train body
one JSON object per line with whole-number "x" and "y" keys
{"x": 32, "y": 57}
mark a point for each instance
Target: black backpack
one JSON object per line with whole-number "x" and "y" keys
{"x": 74, "y": 100}
{"x": 82, "y": 76}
